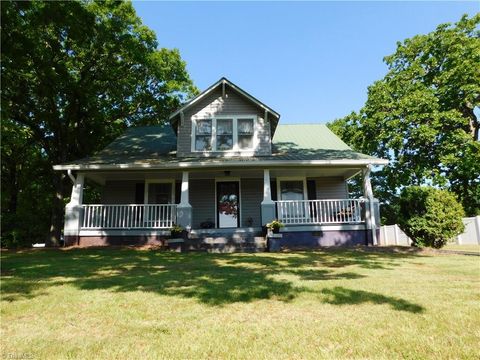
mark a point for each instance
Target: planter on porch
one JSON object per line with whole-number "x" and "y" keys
{"x": 274, "y": 242}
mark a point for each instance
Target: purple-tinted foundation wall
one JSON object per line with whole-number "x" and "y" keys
{"x": 312, "y": 239}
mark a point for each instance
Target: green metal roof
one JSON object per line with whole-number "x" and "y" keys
{"x": 307, "y": 136}
{"x": 156, "y": 146}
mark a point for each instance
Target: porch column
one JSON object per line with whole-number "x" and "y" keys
{"x": 268, "y": 206}
{"x": 370, "y": 205}
{"x": 74, "y": 212}
{"x": 184, "y": 209}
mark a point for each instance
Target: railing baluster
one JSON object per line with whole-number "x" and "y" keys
{"x": 299, "y": 212}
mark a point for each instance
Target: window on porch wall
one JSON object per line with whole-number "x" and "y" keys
{"x": 294, "y": 190}
{"x": 160, "y": 193}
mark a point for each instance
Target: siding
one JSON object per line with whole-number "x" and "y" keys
{"x": 202, "y": 199}
{"x": 119, "y": 192}
{"x": 215, "y": 105}
{"x": 251, "y": 198}
{"x": 331, "y": 188}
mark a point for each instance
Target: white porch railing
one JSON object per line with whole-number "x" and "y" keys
{"x": 311, "y": 212}
{"x": 154, "y": 216}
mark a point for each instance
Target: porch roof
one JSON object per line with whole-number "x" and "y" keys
{"x": 153, "y": 147}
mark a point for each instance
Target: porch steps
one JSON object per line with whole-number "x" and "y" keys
{"x": 226, "y": 241}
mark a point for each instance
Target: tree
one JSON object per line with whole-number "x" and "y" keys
{"x": 75, "y": 75}
{"x": 431, "y": 217}
{"x": 422, "y": 115}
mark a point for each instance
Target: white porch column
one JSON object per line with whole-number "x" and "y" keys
{"x": 184, "y": 209}
{"x": 74, "y": 212}
{"x": 268, "y": 205}
{"x": 370, "y": 205}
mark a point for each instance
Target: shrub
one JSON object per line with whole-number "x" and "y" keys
{"x": 429, "y": 216}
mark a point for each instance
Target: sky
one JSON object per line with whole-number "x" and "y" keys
{"x": 312, "y": 62}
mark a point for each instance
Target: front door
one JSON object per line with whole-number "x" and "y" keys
{"x": 228, "y": 204}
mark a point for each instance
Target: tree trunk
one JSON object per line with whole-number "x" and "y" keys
{"x": 56, "y": 224}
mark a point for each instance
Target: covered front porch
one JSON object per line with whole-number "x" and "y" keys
{"x": 142, "y": 206}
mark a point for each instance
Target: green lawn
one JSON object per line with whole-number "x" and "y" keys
{"x": 144, "y": 304}
{"x": 466, "y": 248}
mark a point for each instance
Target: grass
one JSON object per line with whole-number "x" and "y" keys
{"x": 467, "y": 248}
{"x": 339, "y": 303}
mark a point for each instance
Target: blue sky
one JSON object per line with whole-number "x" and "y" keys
{"x": 310, "y": 61}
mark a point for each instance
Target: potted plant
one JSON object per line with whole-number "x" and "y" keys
{"x": 176, "y": 231}
{"x": 275, "y": 226}
{"x": 176, "y": 240}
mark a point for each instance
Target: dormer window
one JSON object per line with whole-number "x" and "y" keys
{"x": 245, "y": 133}
{"x": 203, "y": 135}
{"x": 226, "y": 133}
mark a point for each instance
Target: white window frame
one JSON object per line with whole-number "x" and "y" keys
{"x": 159, "y": 181}
{"x": 235, "y": 147}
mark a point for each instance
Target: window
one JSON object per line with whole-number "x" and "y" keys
{"x": 160, "y": 193}
{"x": 245, "y": 133}
{"x": 203, "y": 135}
{"x": 224, "y": 134}
{"x": 291, "y": 190}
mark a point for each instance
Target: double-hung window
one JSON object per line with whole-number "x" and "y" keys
{"x": 203, "y": 135}
{"x": 226, "y": 133}
{"x": 245, "y": 133}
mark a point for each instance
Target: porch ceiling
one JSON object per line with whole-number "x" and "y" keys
{"x": 102, "y": 176}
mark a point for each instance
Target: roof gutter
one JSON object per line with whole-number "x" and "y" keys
{"x": 205, "y": 164}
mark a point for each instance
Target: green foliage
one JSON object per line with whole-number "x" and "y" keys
{"x": 75, "y": 74}
{"x": 421, "y": 115}
{"x": 431, "y": 217}
{"x": 275, "y": 225}
{"x": 176, "y": 231}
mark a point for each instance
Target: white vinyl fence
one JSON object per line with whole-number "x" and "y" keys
{"x": 393, "y": 235}
{"x": 471, "y": 235}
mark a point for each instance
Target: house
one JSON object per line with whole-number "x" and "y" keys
{"x": 222, "y": 167}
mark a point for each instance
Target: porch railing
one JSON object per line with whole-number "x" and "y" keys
{"x": 311, "y": 212}
{"x": 152, "y": 216}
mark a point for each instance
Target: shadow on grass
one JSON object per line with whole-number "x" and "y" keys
{"x": 342, "y": 296}
{"x": 213, "y": 279}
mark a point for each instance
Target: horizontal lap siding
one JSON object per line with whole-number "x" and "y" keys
{"x": 119, "y": 192}
{"x": 331, "y": 188}
{"x": 202, "y": 199}
{"x": 215, "y": 105}
{"x": 251, "y": 198}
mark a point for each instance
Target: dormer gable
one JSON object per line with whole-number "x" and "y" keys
{"x": 224, "y": 120}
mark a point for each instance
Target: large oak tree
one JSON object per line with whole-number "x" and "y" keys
{"x": 423, "y": 115}
{"x": 74, "y": 75}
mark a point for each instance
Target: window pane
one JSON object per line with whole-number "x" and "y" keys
{"x": 245, "y": 126}
{"x": 245, "y": 141}
{"x": 291, "y": 190}
{"x": 160, "y": 193}
{"x": 224, "y": 142}
{"x": 224, "y": 127}
{"x": 204, "y": 127}
{"x": 203, "y": 143}
{"x": 224, "y": 132}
